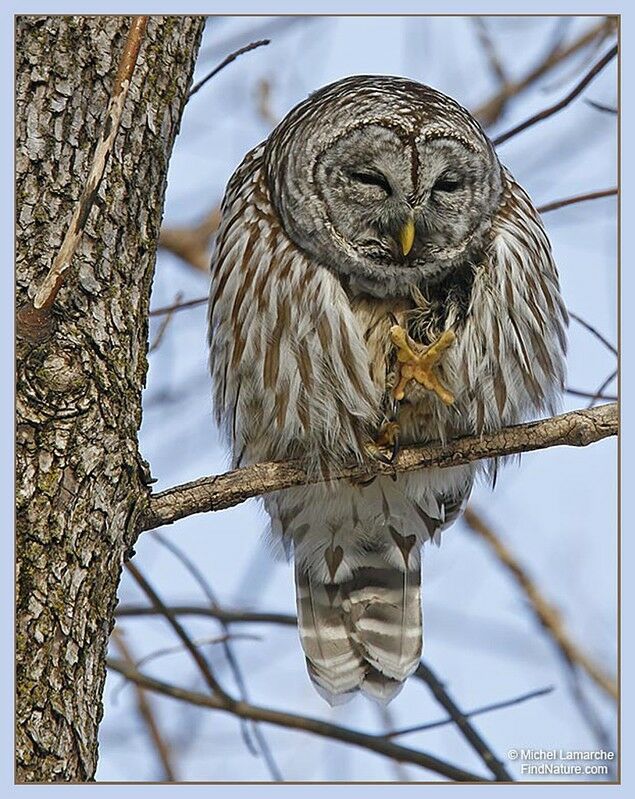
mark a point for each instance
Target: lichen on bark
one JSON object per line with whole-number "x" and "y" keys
{"x": 80, "y": 481}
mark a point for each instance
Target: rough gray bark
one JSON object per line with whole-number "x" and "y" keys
{"x": 80, "y": 482}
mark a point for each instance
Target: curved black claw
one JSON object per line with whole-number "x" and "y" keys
{"x": 396, "y": 448}
{"x": 376, "y": 454}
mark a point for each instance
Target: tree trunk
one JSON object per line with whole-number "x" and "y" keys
{"x": 80, "y": 481}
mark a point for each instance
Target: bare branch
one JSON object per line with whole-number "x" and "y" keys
{"x": 544, "y": 611}
{"x": 192, "y": 244}
{"x": 268, "y": 29}
{"x": 576, "y": 392}
{"x": 165, "y": 323}
{"x": 577, "y": 428}
{"x": 607, "y": 109}
{"x": 178, "y": 306}
{"x": 595, "y": 332}
{"x": 433, "y": 725}
{"x": 490, "y": 111}
{"x": 553, "y": 109}
{"x": 178, "y": 628}
{"x": 221, "y": 614}
{"x": 324, "y": 729}
{"x": 289, "y": 620}
{"x": 179, "y": 648}
{"x": 205, "y": 586}
{"x": 225, "y": 62}
{"x": 491, "y": 53}
{"x": 599, "y": 393}
{"x": 474, "y": 739}
{"x": 32, "y": 319}
{"x": 578, "y": 198}
{"x": 145, "y": 711}
{"x": 263, "y": 103}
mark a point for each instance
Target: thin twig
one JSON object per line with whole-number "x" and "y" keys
{"x": 164, "y": 324}
{"x": 231, "y": 57}
{"x": 171, "y": 618}
{"x": 178, "y": 306}
{"x": 324, "y": 729}
{"x": 607, "y": 109}
{"x": 145, "y": 711}
{"x": 544, "y": 611}
{"x": 576, "y": 392}
{"x": 587, "y": 326}
{"x": 268, "y": 29}
{"x": 553, "y": 109}
{"x": 289, "y": 620}
{"x": 585, "y": 708}
{"x": 490, "y": 111}
{"x": 221, "y": 614}
{"x": 474, "y": 739}
{"x": 576, "y": 428}
{"x": 433, "y": 725}
{"x": 386, "y": 716}
{"x": 599, "y": 393}
{"x": 205, "y": 586}
{"x": 200, "y": 642}
{"x": 46, "y": 294}
{"x": 263, "y": 103}
{"x": 491, "y": 53}
{"x": 578, "y": 198}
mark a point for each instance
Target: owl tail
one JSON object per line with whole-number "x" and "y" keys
{"x": 361, "y": 634}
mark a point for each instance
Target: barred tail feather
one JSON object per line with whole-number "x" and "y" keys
{"x": 385, "y": 613}
{"x": 363, "y": 634}
{"x": 333, "y": 662}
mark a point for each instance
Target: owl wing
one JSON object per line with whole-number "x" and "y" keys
{"x": 289, "y": 366}
{"x": 509, "y": 362}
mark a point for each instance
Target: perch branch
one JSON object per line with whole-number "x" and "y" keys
{"x": 544, "y": 611}
{"x": 324, "y": 729}
{"x": 46, "y": 294}
{"x": 553, "y": 109}
{"x": 577, "y": 428}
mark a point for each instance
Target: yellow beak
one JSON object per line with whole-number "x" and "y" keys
{"x": 407, "y": 235}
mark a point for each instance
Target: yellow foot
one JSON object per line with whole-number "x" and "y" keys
{"x": 420, "y": 366}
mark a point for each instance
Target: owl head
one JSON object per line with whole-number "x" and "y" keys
{"x": 384, "y": 180}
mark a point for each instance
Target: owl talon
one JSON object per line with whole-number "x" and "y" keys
{"x": 420, "y": 366}
{"x": 375, "y": 453}
{"x": 388, "y": 436}
{"x": 396, "y": 447}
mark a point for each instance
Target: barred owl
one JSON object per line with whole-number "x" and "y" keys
{"x": 378, "y": 277}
